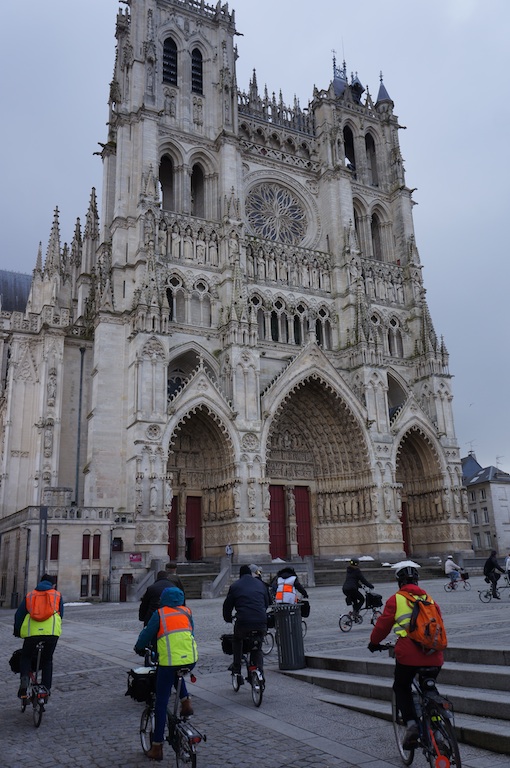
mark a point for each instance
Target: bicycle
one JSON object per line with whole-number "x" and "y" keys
{"x": 182, "y": 736}
{"x": 254, "y": 675}
{"x": 37, "y": 693}
{"x": 451, "y": 586}
{"x": 437, "y": 739}
{"x": 373, "y": 603}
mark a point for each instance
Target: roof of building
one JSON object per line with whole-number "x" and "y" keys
{"x": 14, "y": 290}
{"x": 473, "y": 472}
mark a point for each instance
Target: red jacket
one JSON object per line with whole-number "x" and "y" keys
{"x": 406, "y": 651}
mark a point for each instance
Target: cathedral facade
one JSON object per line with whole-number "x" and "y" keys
{"x": 237, "y": 348}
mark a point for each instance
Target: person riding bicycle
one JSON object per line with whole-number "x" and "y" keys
{"x": 351, "y": 590}
{"x": 286, "y": 585}
{"x": 30, "y": 624}
{"x": 451, "y": 569}
{"x": 150, "y": 600}
{"x": 409, "y": 656}
{"x": 489, "y": 571}
{"x": 249, "y": 598}
{"x": 171, "y": 628}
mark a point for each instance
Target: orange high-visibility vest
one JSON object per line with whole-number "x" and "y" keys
{"x": 176, "y": 644}
{"x": 285, "y": 592}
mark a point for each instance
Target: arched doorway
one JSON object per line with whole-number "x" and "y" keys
{"x": 319, "y": 475}
{"x": 201, "y": 463}
{"x": 424, "y": 517}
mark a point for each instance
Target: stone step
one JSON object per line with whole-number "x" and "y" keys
{"x": 486, "y": 733}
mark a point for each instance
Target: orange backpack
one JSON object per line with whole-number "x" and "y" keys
{"x": 426, "y": 626}
{"x": 41, "y": 605}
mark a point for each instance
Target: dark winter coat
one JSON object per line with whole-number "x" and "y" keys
{"x": 491, "y": 565}
{"x": 249, "y": 598}
{"x": 354, "y": 578}
{"x": 151, "y": 598}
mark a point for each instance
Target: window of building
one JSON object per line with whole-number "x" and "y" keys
{"x": 54, "y": 546}
{"x": 485, "y": 514}
{"x": 350, "y": 158}
{"x": 477, "y": 541}
{"x": 94, "y": 585}
{"x": 85, "y": 546}
{"x": 475, "y": 517}
{"x": 376, "y": 238}
{"x": 371, "y": 160}
{"x": 96, "y": 546}
{"x": 117, "y": 545}
{"x": 170, "y": 61}
{"x": 197, "y": 192}
{"x": 84, "y": 585}
{"x": 472, "y": 495}
{"x": 166, "y": 180}
{"x": 488, "y": 540}
{"x": 197, "y": 79}
{"x": 483, "y": 494}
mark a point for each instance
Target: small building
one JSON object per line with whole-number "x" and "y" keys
{"x": 488, "y": 492}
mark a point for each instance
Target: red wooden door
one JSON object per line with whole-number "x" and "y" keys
{"x": 193, "y": 528}
{"x": 277, "y": 522}
{"x": 172, "y": 529}
{"x": 304, "y": 530}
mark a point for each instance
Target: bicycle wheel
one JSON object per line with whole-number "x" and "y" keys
{"x": 37, "y": 711}
{"x": 304, "y": 627}
{"x": 257, "y": 687}
{"x": 444, "y": 752}
{"x": 485, "y": 596}
{"x": 399, "y": 727}
{"x": 147, "y": 728}
{"x": 267, "y": 643}
{"x": 235, "y": 682}
{"x": 375, "y": 615}
{"x": 345, "y": 622}
{"x": 185, "y": 753}
{"x": 448, "y": 587}
{"x": 467, "y": 585}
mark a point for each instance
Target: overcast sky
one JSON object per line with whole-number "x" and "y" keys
{"x": 446, "y": 65}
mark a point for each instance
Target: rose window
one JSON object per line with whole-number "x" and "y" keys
{"x": 275, "y": 213}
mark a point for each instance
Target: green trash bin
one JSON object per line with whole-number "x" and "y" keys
{"x": 291, "y": 652}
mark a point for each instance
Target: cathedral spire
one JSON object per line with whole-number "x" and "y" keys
{"x": 52, "y": 263}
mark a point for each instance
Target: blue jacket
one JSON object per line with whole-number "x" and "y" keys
{"x": 20, "y": 614}
{"x": 171, "y": 596}
{"x": 250, "y": 600}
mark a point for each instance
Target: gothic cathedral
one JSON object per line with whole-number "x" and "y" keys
{"x": 237, "y": 348}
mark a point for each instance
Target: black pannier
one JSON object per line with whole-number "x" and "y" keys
{"x": 226, "y": 644}
{"x": 373, "y": 600}
{"x": 141, "y": 683}
{"x": 305, "y": 608}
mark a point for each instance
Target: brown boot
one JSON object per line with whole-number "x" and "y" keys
{"x": 156, "y": 751}
{"x": 186, "y": 708}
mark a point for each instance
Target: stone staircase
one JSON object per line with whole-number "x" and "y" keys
{"x": 193, "y": 576}
{"x": 477, "y": 682}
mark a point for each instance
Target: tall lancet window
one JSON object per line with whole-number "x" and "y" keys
{"x": 197, "y": 76}
{"x": 170, "y": 61}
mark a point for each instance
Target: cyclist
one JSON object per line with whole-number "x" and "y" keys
{"x": 286, "y": 585}
{"x": 489, "y": 571}
{"x": 249, "y": 598}
{"x": 33, "y": 630}
{"x": 150, "y": 600}
{"x": 171, "y": 626}
{"x": 351, "y": 590}
{"x": 451, "y": 569}
{"x": 409, "y": 657}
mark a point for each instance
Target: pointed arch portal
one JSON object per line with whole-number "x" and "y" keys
{"x": 423, "y": 493}
{"x": 201, "y": 464}
{"x": 319, "y": 473}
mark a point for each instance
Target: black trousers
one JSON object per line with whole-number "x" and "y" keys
{"x": 356, "y": 597}
{"x": 29, "y": 651}
{"x": 402, "y": 685}
{"x": 256, "y": 656}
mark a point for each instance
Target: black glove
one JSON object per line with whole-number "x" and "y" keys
{"x": 372, "y": 647}
{"x": 138, "y": 651}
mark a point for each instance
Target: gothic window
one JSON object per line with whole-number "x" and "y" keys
{"x": 176, "y": 378}
{"x": 170, "y": 61}
{"x": 201, "y": 305}
{"x": 197, "y": 77}
{"x": 274, "y": 326}
{"x": 197, "y": 192}
{"x": 300, "y": 325}
{"x": 371, "y": 160}
{"x": 96, "y": 546}
{"x": 350, "y": 157}
{"x": 376, "y": 238}
{"x": 261, "y": 323}
{"x": 395, "y": 344}
{"x": 176, "y": 300}
{"x": 323, "y": 329}
{"x": 54, "y": 546}
{"x": 166, "y": 180}
{"x": 275, "y": 213}
{"x": 85, "y": 546}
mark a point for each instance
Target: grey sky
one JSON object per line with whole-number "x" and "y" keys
{"x": 446, "y": 66}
